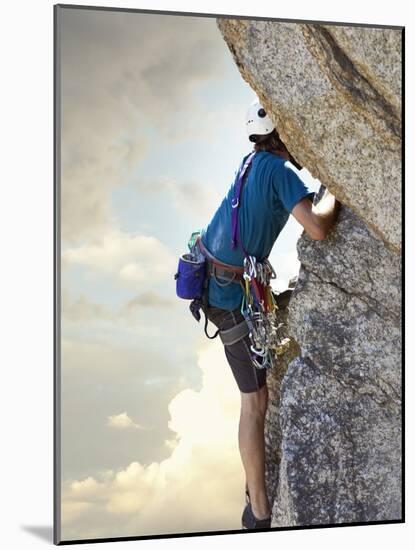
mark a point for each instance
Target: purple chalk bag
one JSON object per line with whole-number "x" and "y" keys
{"x": 190, "y": 277}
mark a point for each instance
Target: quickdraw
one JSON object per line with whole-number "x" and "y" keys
{"x": 267, "y": 336}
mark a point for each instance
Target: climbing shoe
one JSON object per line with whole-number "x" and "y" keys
{"x": 249, "y": 521}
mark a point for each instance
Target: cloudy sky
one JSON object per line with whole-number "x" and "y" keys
{"x": 153, "y": 114}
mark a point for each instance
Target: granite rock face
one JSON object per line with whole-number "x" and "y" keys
{"x": 333, "y": 93}
{"x": 272, "y": 430}
{"x": 340, "y": 401}
{"x": 333, "y": 428}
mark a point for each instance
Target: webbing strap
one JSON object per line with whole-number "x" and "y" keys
{"x": 226, "y": 276}
{"x": 234, "y": 334}
{"x": 218, "y": 263}
{"x": 237, "y": 198}
{"x": 204, "y": 305}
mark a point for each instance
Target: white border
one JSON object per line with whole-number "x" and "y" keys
{"x": 27, "y": 281}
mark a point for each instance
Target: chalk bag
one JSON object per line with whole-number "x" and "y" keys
{"x": 190, "y": 277}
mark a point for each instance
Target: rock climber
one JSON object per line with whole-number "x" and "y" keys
{"x": 273, "y": 190}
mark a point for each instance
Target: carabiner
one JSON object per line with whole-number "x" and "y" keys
{"x": 252, "y": 266}
{"x": 271, "y": 269}
{"x": 261, "y": 352}
{"x": 264, "y": 363}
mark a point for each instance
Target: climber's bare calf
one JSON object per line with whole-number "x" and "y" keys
{"x": 252, "y": 448}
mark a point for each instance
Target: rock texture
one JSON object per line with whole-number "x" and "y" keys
{"x": 333, "y": 428}
{"x": 340, "y": 399}
{"x": 334, "y": 94}
{"x": 272, "y": 429}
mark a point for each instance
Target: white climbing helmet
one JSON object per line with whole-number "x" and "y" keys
{"x": 258, "y": 122}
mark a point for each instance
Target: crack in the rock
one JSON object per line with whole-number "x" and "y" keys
{"x": 373, "y": 305}
{"x": 349, "y": 384}
{"x": 345, "y": 76}
{"x": 391, "y": 388}
{"x": 394, "y": 398}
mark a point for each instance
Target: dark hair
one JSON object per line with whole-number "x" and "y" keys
{"x": 270, "y": 142}
{"x": 274, "y": 144}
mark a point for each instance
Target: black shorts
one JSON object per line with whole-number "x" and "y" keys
{"x": 248, "y": 377}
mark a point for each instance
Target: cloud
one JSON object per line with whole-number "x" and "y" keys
{"x": 75, "y": 509}
{"x": 123, "y": 422}
{"x": 122, "y": 73}
{"x": 107, "y": 372}
{"x": 149, "y": 299}
{"x": 199, "y": 487}
{"x": 83, "y": 309}
{"x": 129, "y": 258}
{"x": 192, "y": 198}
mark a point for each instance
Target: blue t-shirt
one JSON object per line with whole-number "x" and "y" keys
{"x": 271, "y": 190}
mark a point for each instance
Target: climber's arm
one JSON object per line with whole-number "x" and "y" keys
{"x": 317, "y": 220}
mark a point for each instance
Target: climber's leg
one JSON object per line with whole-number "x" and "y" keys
{"x": 252, "y": 448}
{"x": 252, "y": 385}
